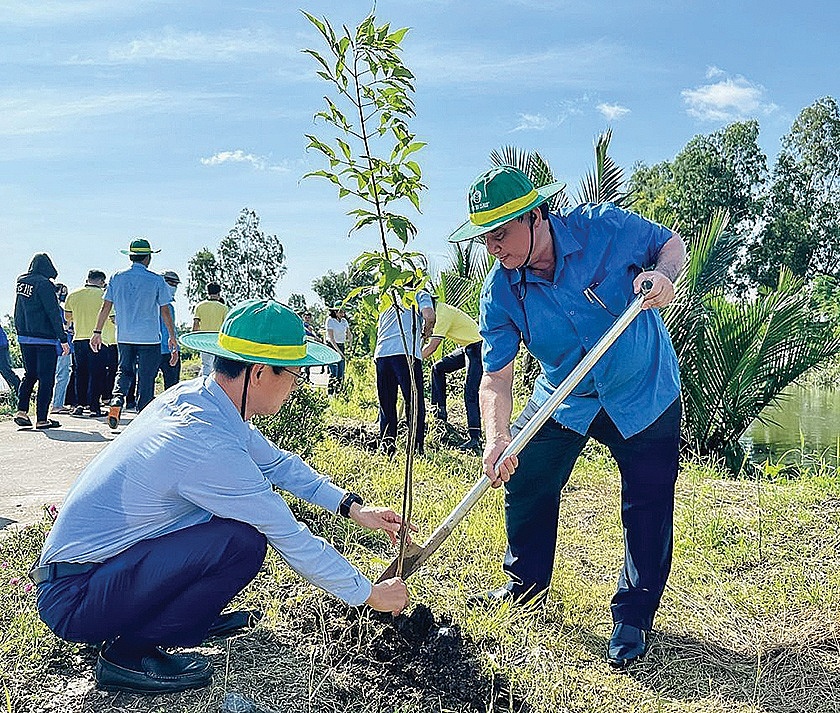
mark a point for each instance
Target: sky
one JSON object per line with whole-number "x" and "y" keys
{"x": 164, "y": 118}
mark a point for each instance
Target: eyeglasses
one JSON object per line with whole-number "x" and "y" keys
{"x": 300, "y": 377}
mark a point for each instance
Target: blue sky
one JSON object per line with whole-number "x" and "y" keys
{"x": 163, "y": 118}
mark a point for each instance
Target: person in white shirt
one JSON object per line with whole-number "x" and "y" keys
{"x": 337, "y": 329}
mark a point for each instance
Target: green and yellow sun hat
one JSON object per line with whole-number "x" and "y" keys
{"x": 139, "y": 246}
{"x": 262, "y": 332}
{"x": 499, "y": 195}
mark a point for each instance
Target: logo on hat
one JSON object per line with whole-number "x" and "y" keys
{"x": 499, "y": 195}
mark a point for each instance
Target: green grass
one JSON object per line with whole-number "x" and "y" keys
{"x": 749, "y": 622}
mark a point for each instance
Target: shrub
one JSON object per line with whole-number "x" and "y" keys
{"x": 299, "y": 424}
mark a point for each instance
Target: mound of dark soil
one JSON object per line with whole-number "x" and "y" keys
{"x": 412, "y": 659}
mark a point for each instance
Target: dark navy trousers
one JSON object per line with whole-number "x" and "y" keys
{"x": 166, "y": 591}
{"x": 469, "y": 357}
{"x": 391, "y": 374}
{"x": 140, "y": 361}
{"x": 648, "y": 465}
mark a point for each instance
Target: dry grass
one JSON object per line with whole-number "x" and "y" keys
{"x": 750, "y": 622}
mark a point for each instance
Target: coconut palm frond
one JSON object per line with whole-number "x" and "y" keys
{"x": 460, "y": 285}
{"x": 511, "y": 156}
{"x": 533, "y": 165}
{"x": 744, "y": 355}
{"x": 605, "y": 181}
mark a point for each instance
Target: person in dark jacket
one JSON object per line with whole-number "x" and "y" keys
{"x": 41, "y": 337}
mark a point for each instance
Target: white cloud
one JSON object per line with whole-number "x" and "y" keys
{"x": 54, "y": 12}
{"x": 713, "y": 72}
{"x": 533, "y": 122}
{"x": 260, "y": 163}
{"x": 36, "y": 113}
{"x": 612, "y": 112}
{"x": 728, "y": 99}
{"x": 578, "y": 65}
{"x": 198, "y": 46}
{"x": 560, "y": 113}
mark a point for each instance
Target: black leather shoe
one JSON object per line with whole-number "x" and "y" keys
{"x": 153, "y": 672}
{"x": 232, "y": 622}
{"x": 627, "y": 645}
{"x": 470, "y": 446}
{"x": 509, "y": 593}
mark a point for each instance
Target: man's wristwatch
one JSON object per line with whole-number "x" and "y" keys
{"x": 347, "y": 502}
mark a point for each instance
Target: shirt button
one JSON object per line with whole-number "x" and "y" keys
{"x": 586, "y": 339}
{"x": 600, "y": 384}
{"x": 554, "y": 286}
{"x": 571, "y": 313}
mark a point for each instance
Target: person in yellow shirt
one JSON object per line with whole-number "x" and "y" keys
{"x": 81, "y": 308}
{"x": 208, "y": 317}
{"x": 457, "y": 326}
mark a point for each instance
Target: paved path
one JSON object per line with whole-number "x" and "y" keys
{"x": 37, "y": 467}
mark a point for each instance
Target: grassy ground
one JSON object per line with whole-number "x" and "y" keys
{"x": 749, "y": 621}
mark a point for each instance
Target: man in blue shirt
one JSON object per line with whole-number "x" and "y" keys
{"x": 559, "y": 282}
{"x": 170, "y": 521}
{"x": 140, "y": 298}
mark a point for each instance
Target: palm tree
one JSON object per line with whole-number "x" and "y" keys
{"x": 737, "y": 357}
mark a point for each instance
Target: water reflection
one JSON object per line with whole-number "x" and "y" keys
{"x": 807, "y": 419}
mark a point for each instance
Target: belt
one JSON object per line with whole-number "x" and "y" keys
{"x": 57, "y": 570}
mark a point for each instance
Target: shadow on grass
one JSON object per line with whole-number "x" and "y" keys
{"x": 801, "y": 678}
{"x": 336, "y": 658}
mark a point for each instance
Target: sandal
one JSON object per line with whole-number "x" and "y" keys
{"x": 23, "y": 421}
{"x": 49, "y": 423}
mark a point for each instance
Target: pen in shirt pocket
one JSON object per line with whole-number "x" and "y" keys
{"x": 590, "y": 294}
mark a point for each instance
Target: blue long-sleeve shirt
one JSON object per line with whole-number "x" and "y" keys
{"x": 187, "y": 457}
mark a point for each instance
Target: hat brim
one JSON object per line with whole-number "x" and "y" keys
{"x": 134, "y": 252}
{"x": 469, "y": 230}
{"x": 316, "y": 354}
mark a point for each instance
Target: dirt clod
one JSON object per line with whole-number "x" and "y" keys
{"x": 414, "y": 658}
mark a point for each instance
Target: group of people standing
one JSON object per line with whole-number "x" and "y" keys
{"x": 119, "y": 335}
{"x": 156, "y": 538}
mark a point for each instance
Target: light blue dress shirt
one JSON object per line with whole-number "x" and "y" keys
{"x": 187, "y": 457}
{"x": 389, "y": 340}
{"x": 601, "y": 248}
{"x": 138, "y": 294}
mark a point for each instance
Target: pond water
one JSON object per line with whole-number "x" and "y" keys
{"x": 808, "y": 419}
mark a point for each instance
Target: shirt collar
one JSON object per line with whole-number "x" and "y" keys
{"x": 229, "y": 410}
{"x": 564, "y": 244}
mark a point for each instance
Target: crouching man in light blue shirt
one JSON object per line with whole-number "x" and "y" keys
{"x": 169, "y": 522}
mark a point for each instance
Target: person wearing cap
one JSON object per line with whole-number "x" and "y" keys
{"x": 172, "y": 520}
{"x": 81, "y": 309}
{"x": 457, "y": 326}
{"x": 140, "y": 298}
{"x": 337, "y": 329}
{"x": 208, "y": 317}
{"x": 170, "y": 372}
{"x": 559, "y": 282}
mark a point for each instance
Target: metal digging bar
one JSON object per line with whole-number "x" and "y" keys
{"x": 416, "y": 555}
